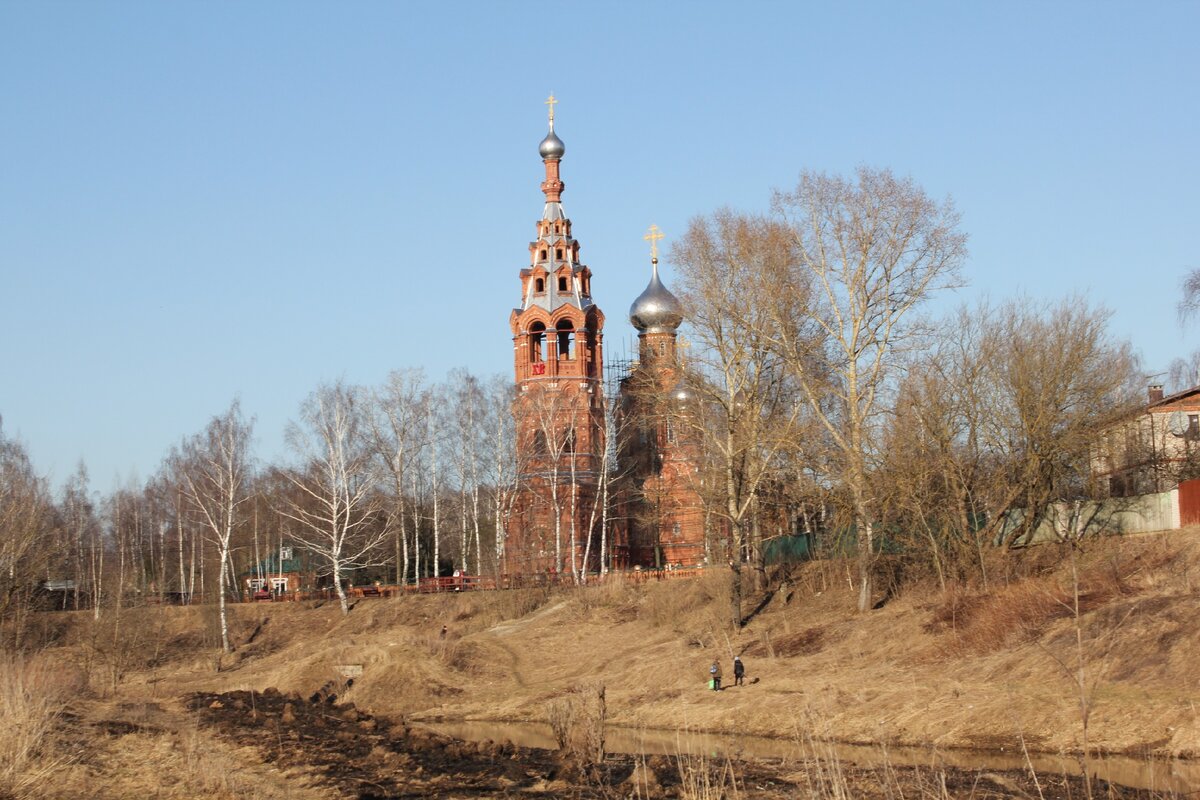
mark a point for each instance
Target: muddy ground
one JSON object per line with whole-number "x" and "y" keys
{"x": 351, "y": 753}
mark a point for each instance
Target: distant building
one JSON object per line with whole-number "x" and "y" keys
{"x": 1153, "y": 450}
{"x": 291, "y": 569}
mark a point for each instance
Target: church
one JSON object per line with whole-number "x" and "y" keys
{"x": 602, "y": 482}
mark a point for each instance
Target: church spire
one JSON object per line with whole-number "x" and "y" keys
{"x": 552, "y": 150}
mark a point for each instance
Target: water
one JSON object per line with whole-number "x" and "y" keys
{"x": 1164, "y": 775}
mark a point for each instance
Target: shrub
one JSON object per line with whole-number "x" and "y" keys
{"x": 577, "y": 719}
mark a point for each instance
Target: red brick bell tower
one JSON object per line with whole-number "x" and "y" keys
{"x": 557, "y": 356}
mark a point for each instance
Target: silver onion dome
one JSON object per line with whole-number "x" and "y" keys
{"x": 552, "y": 146}
{"x": 656, "y": 310}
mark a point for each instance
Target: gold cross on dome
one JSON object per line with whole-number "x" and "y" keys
{"x": 653, "y": 236}
{"x": 551, "y": 102}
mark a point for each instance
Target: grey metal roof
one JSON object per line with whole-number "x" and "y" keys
{"x": 656, "y": 310}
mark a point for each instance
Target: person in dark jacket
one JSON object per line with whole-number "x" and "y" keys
{"x": 739, "y": 671}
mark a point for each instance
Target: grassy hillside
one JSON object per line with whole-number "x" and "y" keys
{"x": 964, "y": 667}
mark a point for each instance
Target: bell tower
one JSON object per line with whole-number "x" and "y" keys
{"x": 557, "y": 358}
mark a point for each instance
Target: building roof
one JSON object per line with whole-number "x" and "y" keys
{"x": 1177, "y": 399}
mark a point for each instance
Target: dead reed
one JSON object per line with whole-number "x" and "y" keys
{"x": 578, "y": 720}
{"x": 34, "y": 693}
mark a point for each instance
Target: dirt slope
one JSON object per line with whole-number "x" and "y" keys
{"x": 955, "y": 668}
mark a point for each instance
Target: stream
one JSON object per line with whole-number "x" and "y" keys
{"x": 1163, "y": 775}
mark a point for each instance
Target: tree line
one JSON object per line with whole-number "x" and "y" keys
{"x": 828, "y": 381}
{"x": 825, "y": 391}
{"x": 391, "y": 483}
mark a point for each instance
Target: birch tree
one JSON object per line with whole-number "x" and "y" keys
{"x": 501, "y": 466}
{"x": 1184, "y": 373}
{"x": 554, "y": 417}
{"x": 24, "y": 513}
{"x": 79, "y": 519}
{"x": 215, "y": 481}
{"x": 468, "y": 415}
{"x": 1189, "y": 300}
{"x": 397, "y": 424}
{"x": 336, "y": 503}
{"x": 869, "y": 251}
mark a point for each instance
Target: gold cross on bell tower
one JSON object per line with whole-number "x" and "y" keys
{"x": 652, "y": 236}
{"x": 551, "y": 102}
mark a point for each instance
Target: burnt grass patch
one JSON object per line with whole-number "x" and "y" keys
{"x": 363, "y": 756}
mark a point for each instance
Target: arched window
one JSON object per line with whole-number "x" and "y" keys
{"x": 543, "y": 256}
{"x": 670, "y": 432}
{"x": 558, "y": 253}
{"x": 562, "y": 284}
{"x": 539, "y": 443}
{"x": 569, "y": 441}
{"x": 537, "y": 339}
{"x": 539, "y": 285}
{"x": 566, "y": 339}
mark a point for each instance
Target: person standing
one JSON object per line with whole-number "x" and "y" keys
{"x": 739, "y": 671}
{"x": 715, "y": 673}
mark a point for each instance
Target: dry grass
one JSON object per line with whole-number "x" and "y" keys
{"x": 702, "y": 778}
{"x": 975, "y": 622}
{"x": 972, "y": 620}
{"x": 957, "y": 668}
{"x": 178, "y": 765}
{"x": 34, "y": 693}
{"x": 807, "y": 642}
{"x": 684, "y": 606}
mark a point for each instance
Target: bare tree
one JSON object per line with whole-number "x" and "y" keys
{"x": 1184, "y": 373}
{"x": 744, "y": 409}
{"x": 397, "y": 427}
{"x": 467, "y": 414}
{"x": 79, "y": 519}
{"x": 336, "y": 502}
{"x": 1055, "y": 379}
{"x": 215, "y": 481}
{"x": 935, "y": 463}
{"x": 553, "y": 472}
{"x": 1189, "y": 301}
{"x": 24, "y": 514}
{"x": 869, "y": 251}
{"x": 999, "y": 420}
{"x": 501, "y": 466}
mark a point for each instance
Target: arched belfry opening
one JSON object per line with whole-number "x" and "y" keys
{"x": 537, "y": 342}
{"x": 565, "y": 330}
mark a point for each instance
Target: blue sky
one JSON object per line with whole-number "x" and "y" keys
{"x": 207, "y": 200}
